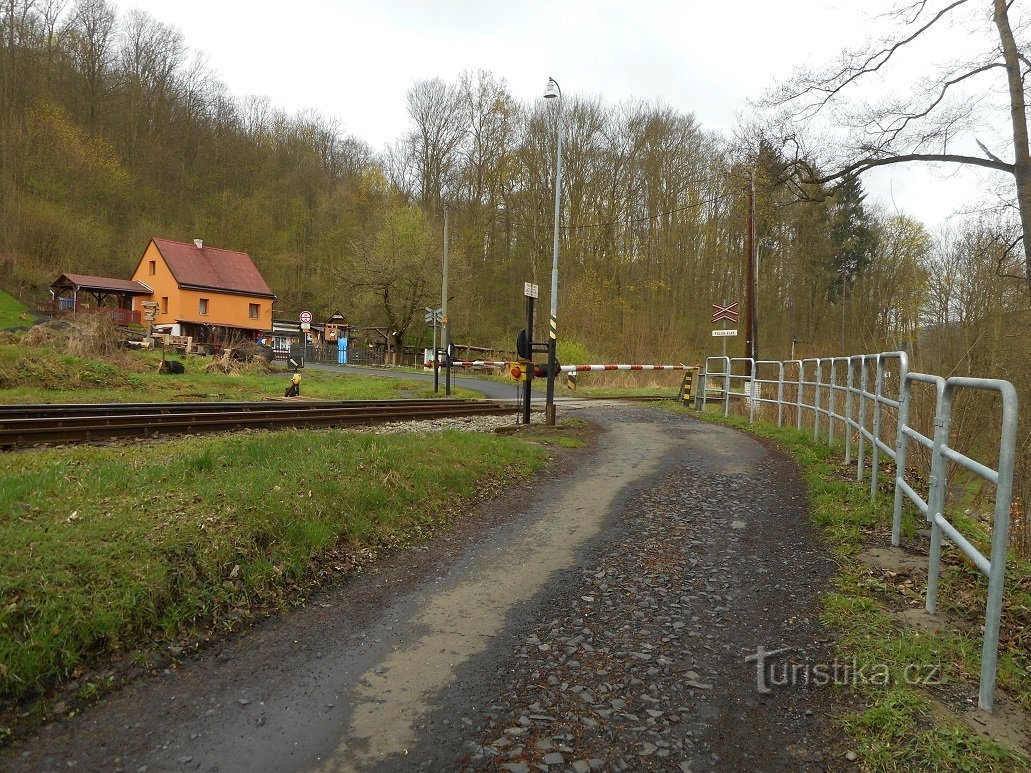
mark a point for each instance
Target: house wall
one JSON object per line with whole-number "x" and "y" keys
{"x": 223, "y": 309}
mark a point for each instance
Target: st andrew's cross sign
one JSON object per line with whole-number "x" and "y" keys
{"x": 728, "y": 313}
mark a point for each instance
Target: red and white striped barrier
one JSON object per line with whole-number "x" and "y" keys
{"x": 471, "y": 364}
{"x": 562, "y": 368}
{"x": 587, "y": 368}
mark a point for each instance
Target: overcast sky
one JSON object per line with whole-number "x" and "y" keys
{"x": 354, "y": 60}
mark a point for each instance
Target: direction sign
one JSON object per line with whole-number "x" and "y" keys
{"x": 728, "y": 313}
{"x": 724, "y": 333}
{"x": 306, "y": 317}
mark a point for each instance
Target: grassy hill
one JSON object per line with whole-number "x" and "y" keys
{"x": 14, "y": 313}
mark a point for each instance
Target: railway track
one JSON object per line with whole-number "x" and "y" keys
{"x": 35, "y": 425}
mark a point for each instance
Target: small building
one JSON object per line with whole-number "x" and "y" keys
{"x": 214, "y": 295}
{"x": 286, "y": 334}
{"x": 337, "y": 327}
{"x": 74, "y": 293}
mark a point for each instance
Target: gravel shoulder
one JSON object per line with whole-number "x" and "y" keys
{"x": 602, "y": 618}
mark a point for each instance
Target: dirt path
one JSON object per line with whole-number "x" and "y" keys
{"x": 602, "y": 620}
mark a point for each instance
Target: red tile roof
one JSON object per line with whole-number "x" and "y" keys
{"x": 212, "y": 268}
{"x": 84, "y": 282}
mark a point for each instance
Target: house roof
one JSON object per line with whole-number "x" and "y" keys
{"x": 212, "y": 268}
{"x": 104, "y": 284}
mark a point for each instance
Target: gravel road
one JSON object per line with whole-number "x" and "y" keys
{"x": 606, "y": 618}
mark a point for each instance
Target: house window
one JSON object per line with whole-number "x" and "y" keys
{"x": 153, "y": 267}
{"x": 253, "y": 310}
{"x": 164, "y": 304}
{"x": 203, "y": 305}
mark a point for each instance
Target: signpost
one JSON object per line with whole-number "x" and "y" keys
{"x": 530, "y": 290}
{"x": 305, "y": 318}
{"x": 435, "y": 317}
{"x": 727, "y": 312}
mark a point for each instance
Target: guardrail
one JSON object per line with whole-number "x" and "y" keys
{"x": 863, "y": 396}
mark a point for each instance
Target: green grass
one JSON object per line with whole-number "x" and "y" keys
{"x": 14, "y": 313}
{"x": 107, "y": 550}
{"x": 43, "y": 375}
{"x": 900, "y": 727}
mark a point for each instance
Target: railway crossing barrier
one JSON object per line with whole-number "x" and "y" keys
{"x": 867, "y": 399}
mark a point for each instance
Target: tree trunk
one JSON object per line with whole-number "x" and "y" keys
{"x": 1018, "y": 114}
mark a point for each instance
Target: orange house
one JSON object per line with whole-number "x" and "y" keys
{"x": 212, "y": 294}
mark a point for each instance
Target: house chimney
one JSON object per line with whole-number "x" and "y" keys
{"x": 198, "y": 243}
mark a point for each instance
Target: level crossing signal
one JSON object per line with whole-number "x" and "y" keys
{"x": 728, "y": 313}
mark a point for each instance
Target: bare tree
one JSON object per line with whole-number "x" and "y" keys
{"x": 93, "y": 30}
{"x": 436, "y": 109}
{"x": 943, "y": 111}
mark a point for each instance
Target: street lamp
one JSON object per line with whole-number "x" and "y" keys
{"x": 553, "y": 91}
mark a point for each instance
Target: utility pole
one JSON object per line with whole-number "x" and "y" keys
{"x": 445, "y": 333}
{"x": 751, "y": 327}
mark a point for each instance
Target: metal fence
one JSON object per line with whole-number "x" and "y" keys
{"x": 868, "y": 401}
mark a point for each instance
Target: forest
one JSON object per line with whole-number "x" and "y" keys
{"x": 113, "y": 131}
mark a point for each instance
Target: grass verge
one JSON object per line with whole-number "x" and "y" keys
{"x": 14, "y": 313}
{"x": 110, "y": 550}
{"x": 29, "y": 375}
{"x": 897, "y": 720}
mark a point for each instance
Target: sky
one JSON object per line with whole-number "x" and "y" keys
{"x": 354, "y": 60}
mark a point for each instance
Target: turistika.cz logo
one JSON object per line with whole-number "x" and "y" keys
{"x": 772, "y": 671}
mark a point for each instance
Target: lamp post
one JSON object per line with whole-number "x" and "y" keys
{"x": 553, "y": 91}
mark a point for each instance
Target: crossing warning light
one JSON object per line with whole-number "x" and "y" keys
{"x": 517, "y": 372}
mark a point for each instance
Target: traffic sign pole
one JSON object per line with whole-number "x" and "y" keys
{"x": 529, "y": 368}
{"x": 725, "y": 312}
{"x": 305, "y": 319}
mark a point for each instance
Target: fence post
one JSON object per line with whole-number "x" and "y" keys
{"x": 831, "y": 401}
{"x": 798, "y": 396}
{"x": 875, "y": 451}
{"x": 861, "y": 455}
{"x": 816, "y": 399}
{"x": 752, "y": 396}
{"x": 780, "y": 395}
{"x": 848, "y": 413}
{"x": 726, "y": 387}
{"x": 901, "y": 447}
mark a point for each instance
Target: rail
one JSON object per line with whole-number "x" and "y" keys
{"x": 22, "y": 426}
{"x": 867, "y": 400}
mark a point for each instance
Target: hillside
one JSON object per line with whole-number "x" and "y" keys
{"x": 14, "y": 314}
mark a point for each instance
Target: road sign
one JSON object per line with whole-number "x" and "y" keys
{"x": 530, "y": 290}
{"x": 728, "y": 313}
{"x": 306, "y": 317}
{"x": 433, "y": 316}
{"x": 721, "y": 333}
{"x": 306, "y": 326}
